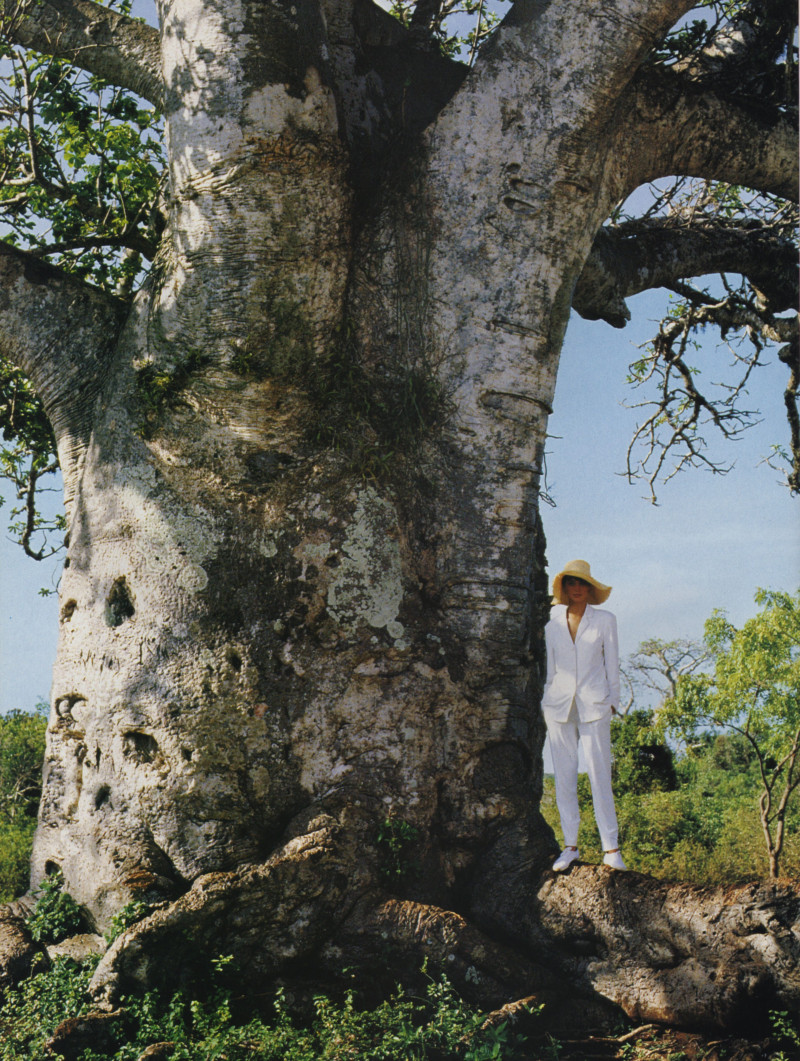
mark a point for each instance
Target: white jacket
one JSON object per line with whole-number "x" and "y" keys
{"x": 586, "y": 670}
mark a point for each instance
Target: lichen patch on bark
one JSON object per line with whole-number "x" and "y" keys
{"x": 368, "y": 586}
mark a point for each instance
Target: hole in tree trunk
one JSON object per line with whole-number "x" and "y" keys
{"x": 119, "y": 603}
{"x": 142, "y": 747}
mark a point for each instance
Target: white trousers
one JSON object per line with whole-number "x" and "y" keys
{"x": 595, "y": 738}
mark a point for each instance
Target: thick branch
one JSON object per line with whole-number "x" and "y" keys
{"x": 606, "y": 41}
{"x": 658, "y": 252}
{"x": 120, "y": 49}
{"x": 57, "y": 330}
{"x": 668, "y": 125}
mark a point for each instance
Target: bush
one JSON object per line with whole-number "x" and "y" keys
{"x": 403, "y": 1028}
{"x": 56, "y": 915}
{"x": 16, "y": 842}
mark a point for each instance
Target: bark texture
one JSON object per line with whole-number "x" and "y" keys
{"x": 304, "y": 594}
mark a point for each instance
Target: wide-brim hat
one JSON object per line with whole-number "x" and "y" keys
{"x": 580, "y": 569}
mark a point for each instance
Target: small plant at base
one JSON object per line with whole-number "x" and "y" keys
{"x": 56, "y": 915}
{"x": 787, "y": 1032}
{"x": 395, "y": 839}
{"x": 132, "y": 912}
{"x": 34, "y": 1008}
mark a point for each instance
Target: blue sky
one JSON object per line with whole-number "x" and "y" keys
{"x": 710, "y": 543}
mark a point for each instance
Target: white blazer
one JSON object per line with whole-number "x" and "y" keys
{"x": 586, "y": 670}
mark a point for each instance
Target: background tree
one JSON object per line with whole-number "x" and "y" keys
{"x": 656, "y": 666}
{"x": 755, "y": 693}
{"x": 21, "y": 753}
{"x": 304, "y": 586}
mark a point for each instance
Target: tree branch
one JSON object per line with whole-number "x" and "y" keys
{"x": 668, "y": 124}
{"x": 610, "y": 39}
{"x": 57, "y": 330}
{"x": 757, "y": 27}
{"x": 122, "y": 50}
{"x": 658, "y": 252}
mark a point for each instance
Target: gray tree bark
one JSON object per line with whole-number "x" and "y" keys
{"x": 304, "y": 590}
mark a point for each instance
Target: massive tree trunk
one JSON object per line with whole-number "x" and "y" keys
{"x": 304, "y": 591}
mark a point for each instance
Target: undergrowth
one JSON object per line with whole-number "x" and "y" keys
{"x": 437, "y": 1027}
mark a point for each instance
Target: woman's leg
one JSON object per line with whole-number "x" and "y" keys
{"x": 596, "y": 741}
{"x": 564, "y": 747}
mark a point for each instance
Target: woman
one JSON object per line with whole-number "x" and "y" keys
{"x": 580, "y": 696}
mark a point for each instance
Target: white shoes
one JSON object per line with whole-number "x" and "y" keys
{"x": 565, "y": 859}
{"x": 613, "y": 859}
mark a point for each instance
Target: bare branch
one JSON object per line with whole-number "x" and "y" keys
{"x": 660, "y": 251}
{"x": 123, "y": 51}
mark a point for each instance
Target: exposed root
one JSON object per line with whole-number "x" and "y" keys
{"x": 590, "y": 943}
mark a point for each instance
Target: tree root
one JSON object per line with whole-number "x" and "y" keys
{"x": 588, "y": 944}
{"x": 672, "y": 953}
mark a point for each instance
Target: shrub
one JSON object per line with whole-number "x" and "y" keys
{"x": 22, "y": 737}
{"x": 403, "y": 1028}
{"x": 56, "y": 915}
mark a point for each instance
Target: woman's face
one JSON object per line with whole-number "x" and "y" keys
{"x": 577, "y": 590}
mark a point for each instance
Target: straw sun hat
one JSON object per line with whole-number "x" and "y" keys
{"x": 580, "y": 569}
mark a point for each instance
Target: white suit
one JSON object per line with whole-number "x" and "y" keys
{"x": 581, "y": 688}
{"x": 586, "y": 670}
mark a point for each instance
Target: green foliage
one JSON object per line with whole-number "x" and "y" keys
{"x": 22, "y": 739}
{"x": 403, "y": 1028}
{"x": 16, "y": 843}
{"x": 129, "y": 915}
{"x": 81, "y": 166}
{"x": 754, "y": 691}
{"x": 33, "y": 1009}
{"x": 56, "y": 915}
{"x": 643, "y": 762}
{"x": 397, "y": 840}
{"x": 22, "y": 416}
{"x": 458, "y": 27}
{"x": 787, "y": 1032}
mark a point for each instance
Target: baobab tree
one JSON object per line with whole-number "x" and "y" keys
{"x": 303, "y": 595}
